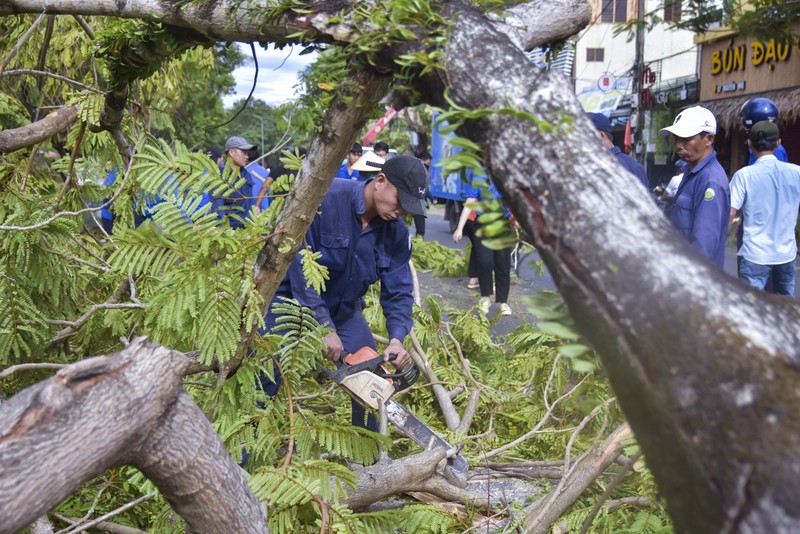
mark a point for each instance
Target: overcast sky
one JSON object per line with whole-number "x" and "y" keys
{"x": 277, "y": 74}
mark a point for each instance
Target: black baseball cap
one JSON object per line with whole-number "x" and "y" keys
{"x": 764, "y": 131}
{"x": 410, "y": 177}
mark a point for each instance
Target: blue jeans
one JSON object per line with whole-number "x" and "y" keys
{"x": 756, "y": 275}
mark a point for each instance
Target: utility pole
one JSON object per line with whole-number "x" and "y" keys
{"x": 637, "y": 119}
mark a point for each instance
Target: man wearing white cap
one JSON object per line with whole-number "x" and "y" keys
{"x": 702, "y": 203}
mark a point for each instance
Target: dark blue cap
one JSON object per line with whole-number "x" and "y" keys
{"x": 600, "y": 121}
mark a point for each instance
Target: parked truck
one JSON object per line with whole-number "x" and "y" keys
{"x": 448, "y": 188}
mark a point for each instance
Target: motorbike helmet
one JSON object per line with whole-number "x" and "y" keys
{"x": 757, "y": 110}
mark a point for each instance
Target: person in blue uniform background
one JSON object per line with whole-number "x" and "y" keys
{"x": 347, "y": 171}
{"x": 702, "y": 203}
{"x": 756, "y": 110}
{"x": 359, "y": 230}
{"x": 603, "y": 126}
{"x": 237, "y": 204}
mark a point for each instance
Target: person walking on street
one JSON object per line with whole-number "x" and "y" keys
{"x": 767, "y": 193}
{"x": 492, "y": 267}
{"x": 702, "y": 203}
{"x": 360, "y": 232}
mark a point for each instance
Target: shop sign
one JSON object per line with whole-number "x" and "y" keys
{"x": 735, "y": 58}
{"x": 606, "y": 82}
{"x": 742, "y": 65}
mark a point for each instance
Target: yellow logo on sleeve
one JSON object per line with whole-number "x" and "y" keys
{"x": 709, "y": 194}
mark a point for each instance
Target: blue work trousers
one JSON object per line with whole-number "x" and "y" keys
{"x": 355, "y": 334}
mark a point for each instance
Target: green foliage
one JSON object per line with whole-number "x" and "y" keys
{"x": 12, "y": 112}
{"x": 444, "y": 261}
{"x": 315, "y": 273}
{"x": 135, "y": 49}
{"x": 557, "y": 322}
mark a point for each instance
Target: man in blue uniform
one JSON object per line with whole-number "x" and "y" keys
{"x": 236, "y": 205}
{"x": 603, "y": 126}
{"x": 702, "y": 203}
{"x": 362, "y": 237}
{"x": 346, "y": 171}
{"x": 768, "y": 194}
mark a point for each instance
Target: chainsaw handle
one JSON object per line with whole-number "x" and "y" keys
{"x": 406, "y": 376}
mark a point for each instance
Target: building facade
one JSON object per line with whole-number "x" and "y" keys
{"x": 734, "y": 69}
{"x": 605, "y": 54}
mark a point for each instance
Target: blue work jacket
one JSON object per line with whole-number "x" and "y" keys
{"x": 237, "y": 204}
{"x": 631, "y": 165}
{"x": 344, "y": 172}
{"x": 355, "y": 259}
{"x": 780, "y": 155}
{"x": 702, "y": 206}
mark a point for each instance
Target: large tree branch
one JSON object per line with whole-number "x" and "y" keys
{"x": 529, "y": 25}
{"x": 705, "y": 370}
{"x": 124, "y": 409}
{"x": 30, "y": 134}
{"x": 416, "y": 473}
{"x": 586, "y": 470}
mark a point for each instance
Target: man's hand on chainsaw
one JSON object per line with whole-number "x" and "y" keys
{"x": 396, "y": 347}
{"x": 333, "y": 347}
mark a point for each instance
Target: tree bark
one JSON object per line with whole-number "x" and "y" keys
{"x": 705, "y": 369}
{"x": 30, "y": 134}
{"x": 416, "y": 473}
{"x": 577, "y": 478}
{"x": 124, "y": 409}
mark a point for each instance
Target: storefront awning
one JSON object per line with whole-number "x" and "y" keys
{"x": 726, "y": 110}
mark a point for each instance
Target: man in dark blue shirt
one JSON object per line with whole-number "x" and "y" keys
{"x": 361, "y": 234}
{"x": 702, "y": 203}
{"x": 236, "y": 204}
{"x": 603, "y": 125}
{"x": 346, "y": 171}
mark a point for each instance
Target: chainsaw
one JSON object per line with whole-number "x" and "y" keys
{"x": 365, "y": 377}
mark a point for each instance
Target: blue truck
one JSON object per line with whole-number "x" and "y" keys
{"x": 446, "y": 188}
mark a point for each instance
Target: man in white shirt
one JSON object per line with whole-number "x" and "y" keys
{"x": 767, "y": 194}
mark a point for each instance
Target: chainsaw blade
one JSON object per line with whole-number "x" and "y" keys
{"x": 410, "y": 426}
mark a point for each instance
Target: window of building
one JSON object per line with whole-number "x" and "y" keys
{"x": 595, "y": 54}
{"x": 615, "y": 10}
{"x": 672, "y": 10}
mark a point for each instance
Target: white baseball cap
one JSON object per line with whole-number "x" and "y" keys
{"x": 692, "y": 121}
{"x": 369, "y": 162}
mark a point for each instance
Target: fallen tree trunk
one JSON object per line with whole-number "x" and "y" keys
{"x": 124, "y": 409}
{"x": 706, "y": 370}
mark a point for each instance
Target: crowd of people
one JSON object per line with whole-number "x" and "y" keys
{"x": 762, "y": 199}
